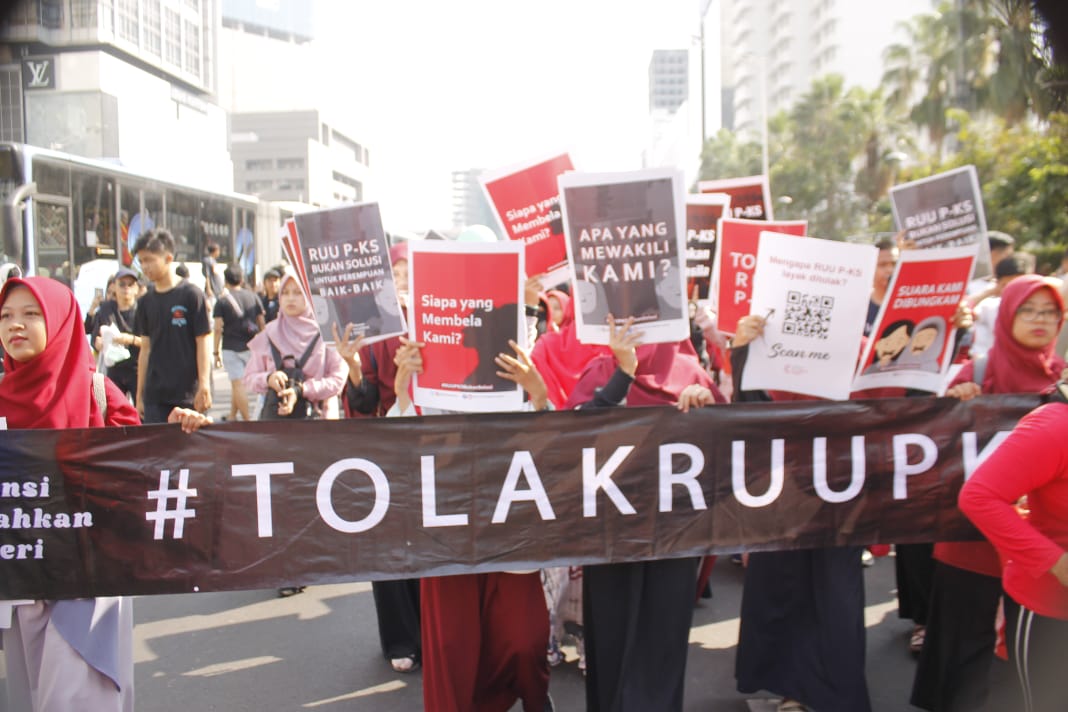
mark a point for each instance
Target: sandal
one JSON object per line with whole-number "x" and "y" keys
{"x": 919, "y": 633}
{"x": 792, "y": 706}
{"x": 287, "y": 591}
{"x": 404, "y": 665}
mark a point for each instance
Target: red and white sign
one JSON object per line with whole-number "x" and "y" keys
{"x": 703, "y": 212}
{"x": 527, "y": 203}
{"x": 737, "y": 246}
{"x": 750, "y": 196}
{"x": 466, "y": 303}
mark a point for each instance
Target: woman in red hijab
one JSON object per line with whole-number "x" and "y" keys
{"x": 958, "y": 651}
{"x": 62, "y": 655}
{"x": 558, "y": 354}
{"x": 636, "y": 616}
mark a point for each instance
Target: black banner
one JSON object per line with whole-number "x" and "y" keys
{"x": 151, "y": 510}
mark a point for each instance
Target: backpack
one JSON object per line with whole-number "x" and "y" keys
{"x": 294, "y": 369}
{"x": 249, "y": 327}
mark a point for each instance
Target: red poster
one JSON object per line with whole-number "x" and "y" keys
{"x": 702, "y": 218}
{"x": 527, "y": 202}
{"x": 911, "y": 342}
{"x": 750, "y": 196}
{"x": 466, "y": 302}
{"x": 736, "y": 253}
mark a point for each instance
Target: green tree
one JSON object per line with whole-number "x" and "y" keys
{"x": 725, "y": 155}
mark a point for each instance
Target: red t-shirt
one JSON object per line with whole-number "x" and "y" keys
{"x": 1033, "y": 461}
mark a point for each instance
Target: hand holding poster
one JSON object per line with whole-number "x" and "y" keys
{"x": 737, "y": 245}
{"x": 912, "y": 341}
{"x": 465, "y": 306}
{"x": 527, "y": 203}
{"x": 750, "y": 196}
{"x": 344, "y": 258}
{"x": 944, "y": 210}
{"x": 815, "y": 295}
{"x": 626, "y": 244}
{"x": 703, "y": 213}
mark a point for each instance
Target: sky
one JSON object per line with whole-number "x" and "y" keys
{"x": 436, "y": 86}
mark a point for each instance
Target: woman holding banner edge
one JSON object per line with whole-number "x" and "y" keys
{"x": 637, "y": 616}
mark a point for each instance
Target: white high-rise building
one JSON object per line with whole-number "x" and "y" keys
{"x": 772, "y": 50}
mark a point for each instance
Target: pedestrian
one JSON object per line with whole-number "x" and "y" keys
{"x": 238, "y": 318}
{"x": 269, "y": 298}
{"x": 70, "y": 654}
{"x": 174, "y": 366}
{"x": 213, "y": 284}
{"x": 636, "y": 616}
{"x": 954, "y": 667}
{"x": 120, "y": 314}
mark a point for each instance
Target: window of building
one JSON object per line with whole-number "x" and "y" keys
{"x": 291, "y": 164}
{"x": 259, "y": 186}
{"x": 191, "y": 45}
{"x": 259, "y": 164}
{"x": 129, "y": 24}
{"x": 83, "y": 13}
{"x": 150, "y": 26}
{"x": 193, "y": 5}
{"x": 172, "y": 37}
{"x": 10, "y": 104}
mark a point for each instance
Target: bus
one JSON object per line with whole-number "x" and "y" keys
{"x": 76, "y": 220}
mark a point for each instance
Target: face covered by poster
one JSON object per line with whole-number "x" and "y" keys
{"x": 750, "y": 196}
{"x": 626, "y": 244}
{"x": 702, "y": 219}
{"x": 527, "y": 203}
{"x": 944, "y": 210}
{"x": 912, "y": 341}
{"x": 737, "y": 245}
{"x": 814, "y": 294}
{"x": 345, "y": 258}
{"x": 465, "y": 306}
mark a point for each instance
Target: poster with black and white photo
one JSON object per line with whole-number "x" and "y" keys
{"x": 346, "y": 265}
{"x": 813, "y": 294}
{"x": 750, "y": 196}
{"x": 944, "y": 210}
{"x": 626, "y": 243}
{"x": 703, "y": 212}
{"x": 465, "y": 306}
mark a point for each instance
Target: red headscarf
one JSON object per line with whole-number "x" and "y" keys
{"x": 1012, "y": 368}
{"x": 560, "y": 357}
{"x": 55, "y": 388}
{"x": 663, "y": 371}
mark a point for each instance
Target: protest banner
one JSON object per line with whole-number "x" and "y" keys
{"x": 703, "y": 212}
{"x": 345, "y": 258}
{"x": 526, "y": 201}
{"x": 239, "y": 506}
{"x": 291, "y": 247}
{"x": 626, "y": 243}
{"x": 911, "y": 343}
{"x": 465, "y": 304}
{"x": 814, "y": 294}
{"x": 944, "y": 210}
{"x": 737, "y": 244}
{"x": 750, "y": 196}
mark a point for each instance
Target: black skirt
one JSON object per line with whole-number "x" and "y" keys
{"x": 914, "y": 567}
{"x": 397, "y": 609}
{"x": 802, "y": 629}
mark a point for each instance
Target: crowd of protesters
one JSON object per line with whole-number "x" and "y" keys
{"x": 486, "y": 641}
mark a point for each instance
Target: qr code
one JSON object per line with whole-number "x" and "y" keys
{"x": 807, "y": 315}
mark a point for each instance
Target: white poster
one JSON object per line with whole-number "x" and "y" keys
{"x": 814, "y": 294}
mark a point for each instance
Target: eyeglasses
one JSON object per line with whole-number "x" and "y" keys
{"x": 1032, "y": 314}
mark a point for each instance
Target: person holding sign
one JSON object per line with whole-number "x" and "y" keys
{"x": 636, "y": 616}
{"x": 954, "y": 666}
{"x": 71, "y": 654}
{"x": 484, "y": 635}
{"x": 802, "y": 621}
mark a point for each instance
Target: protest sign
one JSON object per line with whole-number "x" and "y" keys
{"x": 291, "y": 247}
{"x": 911, "y": 343}
{"x": 526, "y": 201}
{"x": 626, "y": 243}
{"x": 148, "y": 510}
{"x": 750, "y": 196}
{"x": 944, "y": 210}
{"x": 345, "y": 258}
{"x": 702, "y": 219}
{"x": 736, "y": 256}
{"x": 465, "y": 304}
{"x": 814, "y": 294}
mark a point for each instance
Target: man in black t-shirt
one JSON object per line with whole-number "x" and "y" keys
{"x": 174, "y": 367}
{"x": 120, "y": 313}
{"x": 238, "y": 317}
{"x": 269, "y": 298}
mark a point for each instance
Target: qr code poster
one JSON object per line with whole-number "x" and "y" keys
{"x": 911, "y": 341}
{"x": 814, "y": 296}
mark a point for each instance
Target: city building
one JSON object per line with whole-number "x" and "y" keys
{"x": 287, "y": 145}
{"x": 676, "y": 111}
{"x": 469, "y": 203}
{"x": 669, "y": 79}
{"x": 132, "y": 81}
{"x": 772, "y": 50}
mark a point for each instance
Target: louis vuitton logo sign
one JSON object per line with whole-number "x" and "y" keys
{"x": 39, "y": 73}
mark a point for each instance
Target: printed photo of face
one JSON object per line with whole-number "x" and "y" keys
{"x": 893, "y": 341}
{"x": 669, "y": 293}
{"x": 923, "y": 339}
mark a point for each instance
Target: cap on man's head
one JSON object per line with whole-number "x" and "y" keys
{"x": 273, "y": 273}
{"x": 126, "y": 272}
